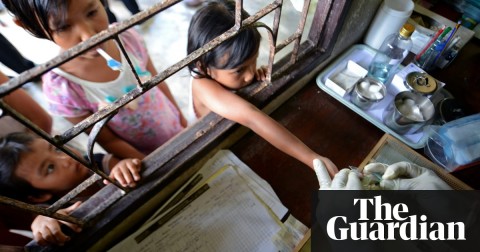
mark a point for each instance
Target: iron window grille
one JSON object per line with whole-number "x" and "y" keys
{"x": 324, "y": 27}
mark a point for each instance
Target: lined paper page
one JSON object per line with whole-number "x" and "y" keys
{"x": 255, "y": 182}
{"x": 226, "y": 217}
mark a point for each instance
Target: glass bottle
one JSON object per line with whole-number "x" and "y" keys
{"x": 391, "y": 53}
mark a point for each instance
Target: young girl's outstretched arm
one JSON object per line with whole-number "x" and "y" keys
{"x": 231, "y": 106}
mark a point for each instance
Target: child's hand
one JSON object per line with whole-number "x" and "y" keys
{"x": 47, "y": 231}
{"x": 126, "y": 172}
{"x": 261, "y": 73}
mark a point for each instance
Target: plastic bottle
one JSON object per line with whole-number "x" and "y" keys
{"x": 392, "y": 52}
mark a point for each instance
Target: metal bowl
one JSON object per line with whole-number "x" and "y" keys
{"x": 408, "y": 112}
{"x": 367, "y": 92}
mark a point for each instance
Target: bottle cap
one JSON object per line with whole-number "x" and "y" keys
{"x": 421, "y": 83}
{"x": 407, "y": 30}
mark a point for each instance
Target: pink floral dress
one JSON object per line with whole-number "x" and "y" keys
{"x": 145, "y": 123}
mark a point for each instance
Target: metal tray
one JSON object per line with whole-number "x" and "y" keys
{"x": 363, "y": 55}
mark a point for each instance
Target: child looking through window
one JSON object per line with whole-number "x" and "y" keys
{"x": 229, "y": 67}
{"x": 34, "y": 171}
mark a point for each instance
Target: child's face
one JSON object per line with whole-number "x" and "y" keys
{"x": 84, "y": 19}
{"x": 238, "y": 77}
{"x": 49, "y": 169}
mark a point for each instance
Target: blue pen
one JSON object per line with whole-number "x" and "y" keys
{"x": 447, "y": 41}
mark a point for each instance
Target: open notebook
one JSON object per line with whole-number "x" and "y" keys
{"x": 227, "y": 208}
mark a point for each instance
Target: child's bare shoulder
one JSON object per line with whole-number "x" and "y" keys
{"x": 206, "y": 86}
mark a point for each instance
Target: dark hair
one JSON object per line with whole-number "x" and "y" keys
{"x": 35, "y": 15}
{"x": 209, "y": 22}
{"x": 11, "y": 148}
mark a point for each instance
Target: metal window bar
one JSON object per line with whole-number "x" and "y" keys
{"x": 100, "y": 118}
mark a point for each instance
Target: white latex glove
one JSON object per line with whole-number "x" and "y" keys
{"x": 406, "y": 176}
{"x": 345, "y": 179}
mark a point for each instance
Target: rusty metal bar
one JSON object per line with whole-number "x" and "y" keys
{"x": 39, "y": 210}
{"x": 238, "y": 13}
{"x": 271, "y": 54}
{"x": 97, "y": 203}
{"x": 327, "y": 15}
{"x": 301, "y": 26}
{"x": 91, "y": 142}
{"x": 22, "y": 119}
{"x": 7, "y": 110}
{"x": 129, "y": 61}
{"x": 73, "y": 193}
{"x": 287, "y": 41}
{"x": 276, "y": 21}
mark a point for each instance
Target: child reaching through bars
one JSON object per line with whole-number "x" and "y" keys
{"x": 229, "y": 67}
{"x": 34, "y": 171}
{"x": 81, "y": 86}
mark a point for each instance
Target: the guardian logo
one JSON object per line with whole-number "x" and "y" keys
{"x": 391, "y": 223}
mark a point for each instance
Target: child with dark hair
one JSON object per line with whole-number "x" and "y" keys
{"x": 229, "y": 67}
{"x": 34, "y": 171}
{"x": 83, "y": 85}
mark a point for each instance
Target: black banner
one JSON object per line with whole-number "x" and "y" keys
{"x": 396, "y": 221}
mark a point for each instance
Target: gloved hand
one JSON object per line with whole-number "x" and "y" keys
{"x": 406, "y": 176}
{"x": 345, "y": 179}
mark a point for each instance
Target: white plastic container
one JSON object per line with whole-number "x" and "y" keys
{"x": 390, "y": 17}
